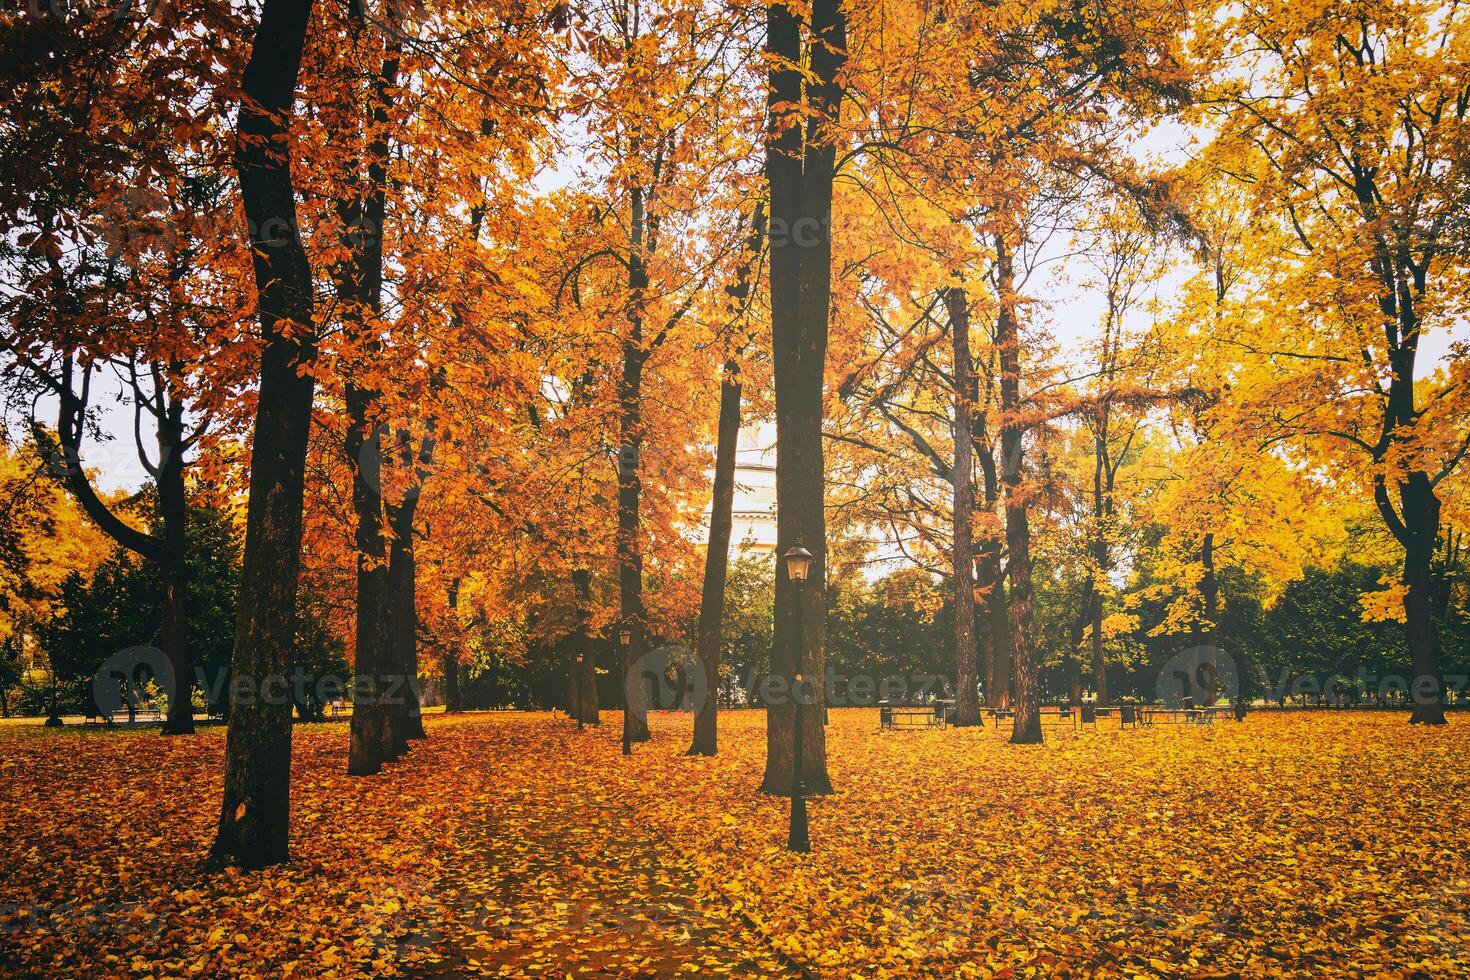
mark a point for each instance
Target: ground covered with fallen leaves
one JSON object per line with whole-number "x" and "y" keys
{"x": 510, "y": 844}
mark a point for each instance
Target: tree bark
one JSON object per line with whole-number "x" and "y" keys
{"x": 256, "y": 803}
{"x": 174, "y": 511}
{"x": 799, "y": 174}
{"x": 364, "y": 446}
{"x": 717, "y": 562}
{"x": 1027, "y": 726}
{"x": 360, "y": 290}
{"x": 1421, "y": 521}
{"x": 405, "y": 721}
{"x": 1099, "y": 665}
{"x": 993, "y": 616}
{"x": 1210, "y": 589}
{"x": 967, "y": 700}
{"x": 584, "y": 673}
{"x": 449, "y": 665}
{"x": 628, "y": 545}
{"x": 449, "y": 662}
{"x": 629, "y": 542}
{"x": 996, "y": 617}
{"x": 1102, "y": 485}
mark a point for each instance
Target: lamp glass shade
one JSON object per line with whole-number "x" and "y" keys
{"x": 798, "y": 563}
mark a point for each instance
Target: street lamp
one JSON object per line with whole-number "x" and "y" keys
{"x": 625, "y": 640}
{"x": 798, "y": 565}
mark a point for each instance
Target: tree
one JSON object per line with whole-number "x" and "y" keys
{"x": 966, "y": 387}
{"x": 362, "y": 212}
{"x": 708, "y": 640}
{"x": 108, "y": 611}
{"x": 1113, "y": 409}
{"x": 1343, "y": 124}
{"x": 47, "y": 547}
{"x": 256, "y": 804}
{"x": 803, "y": 100}
{"x": 119, "y": 274}
{"x": 1027, "y": 726}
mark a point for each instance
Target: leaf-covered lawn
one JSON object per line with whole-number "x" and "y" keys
{"x": 509, "y": 843}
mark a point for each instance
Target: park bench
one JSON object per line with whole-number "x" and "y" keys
{"x": 1177, "y": 716}
{"x": 911, "y": 716}
{"x": 1058, "y": 716}
{"x": 1052, "y": 716}
{"x": 141, "y": 713}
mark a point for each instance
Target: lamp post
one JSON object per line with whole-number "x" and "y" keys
{"x": 625, "y": 639}
{"x": 798, "y": 564}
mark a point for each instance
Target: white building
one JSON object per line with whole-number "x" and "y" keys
{"x": 753, "y": 516}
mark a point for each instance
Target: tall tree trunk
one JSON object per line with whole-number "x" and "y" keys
{"x": 407, "y": 628}
{"x": 360, "y": 290}
{"x": 1209, "y": 588}
{"x": 1099, "y": 665}
{"x": 391, "y": 668}
{"x": 967, "y": 699}
{"x": 574, "y": 687}
{"x": 1421, "y": 522}
{"x": 996, "y": 620}
{"x": 587, "y": 696}
{"x": 364, "y": 443}
{"x": 1102, "y": 487}
{"x": 1073, "y": 659}
{"x": 449, "y": 662}
{"x": 449, "y": 667}
{"x": 401, "y": 676}
{"x": 993, "y": 616}
{"x": 405, "y": 715}
{"x": 256, "y": 804}
{"x": 1027, "y": 726}
{"x": 584, "y": 676}
{"x": 717, "y": 562}
{"x": 629, "y": 542}
{"x": 799, "y": 175}
{"x": 174, "y": 507}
